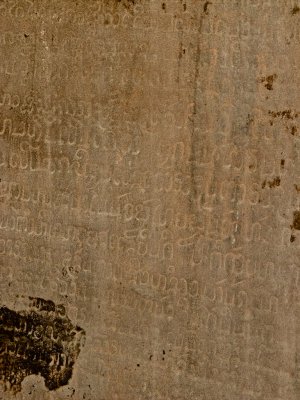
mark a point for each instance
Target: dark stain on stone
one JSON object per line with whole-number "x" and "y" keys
{"x": 275, "y": 182}
{"x": 182, "y": 51}
{"x": 40, "y": 340}
{"x": 294, "y": 130}
{"x": 286, "y": 114}
{"x": 296, "y": 221}
{"x": 297, "y": 188}
{"x": 292, "y": 238}
{"x": 25, "y": 35}
{"x": 205, "y": 7}
{"x": 163, "y": 6}
{"x": 268, "y": 81}
{"x": 113, "y": 5}
{"x": 282, "y": 162}
{"x": 295, "y": 10}
{"x": 249, "y": 121}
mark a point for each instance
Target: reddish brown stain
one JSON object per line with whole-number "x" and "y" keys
{"x": 295, "y": 10}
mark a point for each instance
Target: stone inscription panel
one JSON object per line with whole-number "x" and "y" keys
{"x": 149, "y": 200}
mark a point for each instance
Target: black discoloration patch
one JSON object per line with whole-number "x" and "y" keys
{"x": 40, "y": 341}
{"x": 297, "y": 187}
{"x": 292, "y": 238}
{"x": 296, "y": 221}
{"x": 275, "y": 182}
{"x": 295, "y": 10}
{"x": 268, "y": 81}
{"x": 282, "y": 162}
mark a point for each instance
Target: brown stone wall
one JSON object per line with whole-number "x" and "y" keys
{"x": 149, "y": 199}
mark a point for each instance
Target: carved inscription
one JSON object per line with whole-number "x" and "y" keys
{"x": 150, "y": 191}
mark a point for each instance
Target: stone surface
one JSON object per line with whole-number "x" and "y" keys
{"x": 149, "y": 200}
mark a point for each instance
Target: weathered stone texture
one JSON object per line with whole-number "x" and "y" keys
{"x": 149, "y": 200}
